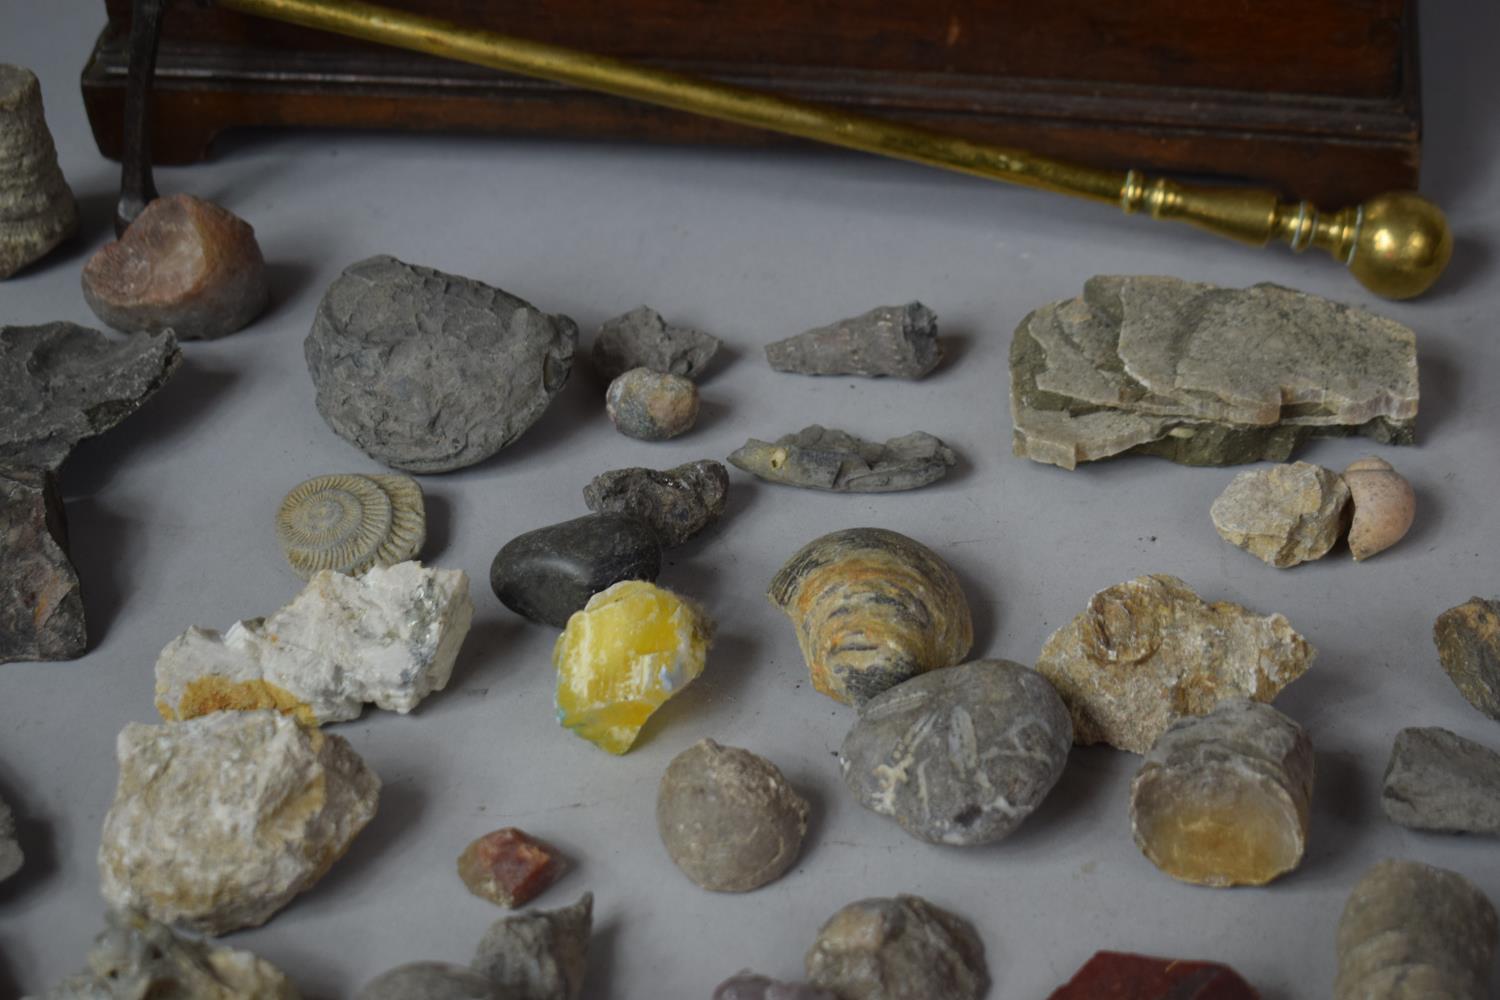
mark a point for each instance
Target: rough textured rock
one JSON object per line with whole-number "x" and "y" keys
{"x": 898, "y": 949}
{"x": 41, "y": 609}
{"x": 817, "y": 458}
{"x": 728, "y": 818}
{"x": 137, "y": 958}
{"x": 872, "y": 608}
{"x": 961, "y": 755}
{"x": 61, "y": 383}
{"x": 1204, "y": 375}
{"x": 37, "y": 211}
{"x": 899, "y": 341}
{"x": 347, "y": 523}
{"x": 1225, "y": 798}
{"x": 219, "y": 821}
{"x": 542, "y": 955}
{"x": 1283, "y": 515}
{"x": 1414, "y": 932}
{"x": 428, "y": 371}
{"x": 749, "y": 986}
{"x": 1148, "y": 651}
{"x": 508, "y": 867}
{"x": 430, "y": 981}
{"x": 642, "y": 339}
{"x": 549, "y": 574}
{"x": 11, "y": 857}
{"x": 1382, "y": 503}
{"x": 651, "y": 406}
{"x": 1113, "y": 975}
{"x": 677, "y": 503}
{"x": 388, "y": 638}
{"x": 185, "y": 265}
{"x": 1468, "y": 644}
{"x": 1437, "y": 780}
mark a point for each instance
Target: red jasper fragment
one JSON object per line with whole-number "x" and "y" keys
{"x": 1114, "y": 975}
{"x": 508, "y": 867}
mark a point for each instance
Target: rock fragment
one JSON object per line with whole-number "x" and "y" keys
{"x": 1225, "y": 798}
{"x": 899, "y": 341}
{"x": 728, "y": 818}
{"x": 1437, "y": 780}
{"x": 1113, "y": 975}
{"x": 817, "y": 458}
{"x": 430, "y": 981}
{"x": 41, "y": 608}
{"x": 677, "y": 503}
{"x": 872, "y": 608}
{"x": 1412, "y": 932}
{"x": 1283, "y": 515}
{"x": 749, "y": 986}
{"x": 388, "y": 638}
{"x": 548, "y": 574}
{"x": 642, "y": 339}
{"x": 901, "y": 948}
{"x": 1148, "y": 651}
{"x": 11, "y": 857}
{"x": 541, "y": 955}
{"x": 1384, "y": 506}
{"x": 37, "y": 210}
{"x": 652, "y": 406}
{"x": 219, "y": 821}
{"x": 348, "y": 522}
{"x": 428, "y": 371}
{"x": 137, "y": 958}
{"x": 185, "y": 265}
{"x": 1468, "y": 644}
{"x": 508, "y": 867}
{"x": 961, "y": 755}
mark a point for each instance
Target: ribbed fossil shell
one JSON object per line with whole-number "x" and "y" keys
{"x": 872, "y": 608}
{"x": 348, "y": 523}
{"x": 1384, "y": 506}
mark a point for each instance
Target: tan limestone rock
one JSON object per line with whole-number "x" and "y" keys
{"x": 1284, "y": 514}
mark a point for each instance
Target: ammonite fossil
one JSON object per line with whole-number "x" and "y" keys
{"x": 348, "y": 523}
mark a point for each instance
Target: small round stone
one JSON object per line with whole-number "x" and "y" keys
{"x": 898, "y": 949}
{"x": 728, "y": 818}
{"x": 430, "y": 981}
{"x": 650, "y": 405}
{"x": 548, "y": 574}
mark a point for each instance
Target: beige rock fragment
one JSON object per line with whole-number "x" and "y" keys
{"x": 1284, "y": 514}
{"x": 1384, "y": 506}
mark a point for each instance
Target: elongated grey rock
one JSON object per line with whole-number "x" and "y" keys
{"x": 11, "y": 857}
{"x": 1468, "y": 646}
{"x": 676, "y": 503}
{"x": 902, "y": 948}
{"x": 37, "y": 210}
{"x": 642, "y": 339}
{"x": 1437, "y": 780}
{"x": 430, "y": 981}
{"x": 818, "y": 458}
{"x": 1283, "y": 515}
{"x": 428, "y": 371}
{"x": 899, "y": 341}
{"x": 1413, "y": 932}
{"x": 61, "y": 383}
{"x": 960, "y": 755}
{"x": 41, "y": 608}
{"x": 541, "y": 955}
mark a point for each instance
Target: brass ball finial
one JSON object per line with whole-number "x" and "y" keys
{"x": 1402, "y": 246}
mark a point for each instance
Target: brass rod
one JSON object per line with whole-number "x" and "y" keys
{"x": 1396, "y": 244}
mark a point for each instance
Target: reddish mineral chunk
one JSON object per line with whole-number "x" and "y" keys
{"x": 1114, "y": 975}
{"x": 508, "y": 867}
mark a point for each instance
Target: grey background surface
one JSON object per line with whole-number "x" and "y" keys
{"x": 170, "y": 517}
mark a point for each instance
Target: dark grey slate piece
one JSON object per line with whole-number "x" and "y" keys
{"x": 1437, "y": 780}
{"x": 41, "y": 609}
{"x": 677, "y": 503}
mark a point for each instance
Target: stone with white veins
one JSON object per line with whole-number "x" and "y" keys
{"x": 389, "y": 638}
{"x": 1283, "y": 515}
{"x": 219, "y": 821}
{"x": 1437, "y": 780}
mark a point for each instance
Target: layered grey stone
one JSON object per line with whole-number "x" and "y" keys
{"x": 541, "y": 955}
{"x": 900, "y": 948}
{"x": 818, "y": 458}
{"x": 677, "y": 503}
{"x": 1437, "y": 780}
{"x": 897, "y": 341}
{"x": 642, "y": 339}
{"x": 37, "y": 210}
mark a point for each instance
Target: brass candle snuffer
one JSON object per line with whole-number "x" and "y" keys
{"x": 1396, "y": 244}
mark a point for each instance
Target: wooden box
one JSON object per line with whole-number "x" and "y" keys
{"x": 1319, "y": 98}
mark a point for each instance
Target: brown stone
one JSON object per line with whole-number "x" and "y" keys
{"x": 1115, "y": 975}
{"x": 1468, "y": 644}
{"x": 508, "y": 867}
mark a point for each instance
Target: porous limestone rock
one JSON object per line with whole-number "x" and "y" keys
{"x": 430, "y": 981}
{"x": 900, "y": 948}
{"x": 1283, "y": 515}
{"x": 1468, "y": 645}
{"x": 1437, "y": 780}
{"x": 642, "y": 339}
{"x": 37, "y": 210}
{"x": 677, "y": 503}
{"x": 137, "y": 958}
{"x": 219, "y": 821}
{"x": 541, "y": 955}
{"x": 898, "y": 341}
{"x": 428, "y": 371}
{"x": 817, "y": 458}
{"x": 41, "y": 608}
{"x": 1148, "y": 651}
{"x": 388, "y": 638}
{"x": 11, "y": 857}
{"x": 651, "y": 406}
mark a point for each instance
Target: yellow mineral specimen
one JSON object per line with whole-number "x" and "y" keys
{"x": 631, "y": 648}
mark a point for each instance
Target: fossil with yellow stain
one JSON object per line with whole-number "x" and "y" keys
{"x": 872, "y": 608}
{"x": 633, "y": 646}
{"x": 1225, "y": 798}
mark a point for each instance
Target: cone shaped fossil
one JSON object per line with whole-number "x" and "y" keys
{"x": 37, "y": 210}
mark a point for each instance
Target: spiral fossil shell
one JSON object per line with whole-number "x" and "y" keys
{"x": 872, "y": 608}
{"x": 1384, "y": 506}
{"x": 348, "y": 523}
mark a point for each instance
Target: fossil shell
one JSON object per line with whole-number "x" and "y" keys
{"x": 872, "y": 608}
{"x": 1384, "y": 506}
{"x": 348, "y": 523}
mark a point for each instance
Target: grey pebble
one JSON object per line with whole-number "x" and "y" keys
{"x": 642, "y": 339}
{"x": 652, "y": 406}
{"x": 818, "y": 458}
{"x": 749, "y": 986}
{"x": 540, "y": 955}
{"x": 901, "y": 948}
{"x": 11, "y": 857}
{"x": 427, "y": 371}
{"x": 430, "y": 981}
{"x": 677, "y": 503}
{"x": 549, "y": 573}
{"x": 1437, "y": 780}
{"x": 899, "y": 341}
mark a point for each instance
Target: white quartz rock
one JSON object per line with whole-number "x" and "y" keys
{"x": 220, "y": 820}
{"x": 388, "y": 637}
